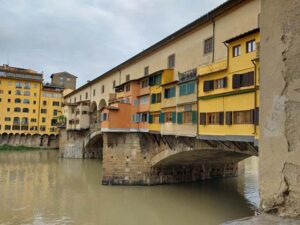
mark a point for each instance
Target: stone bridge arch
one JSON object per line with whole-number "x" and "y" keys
{"x": 102, "y": 104}
{"x": 93, "y": 145}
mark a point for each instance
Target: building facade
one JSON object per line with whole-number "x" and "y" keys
{"x": 30, "y": 110}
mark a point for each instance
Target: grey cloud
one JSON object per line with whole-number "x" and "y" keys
{"x": 88, "y": 37}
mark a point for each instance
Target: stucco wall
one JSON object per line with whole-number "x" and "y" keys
{"x": 280, "y": 107}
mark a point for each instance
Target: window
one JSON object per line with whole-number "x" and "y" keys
{"x": 33, "y": 111}
{"x": 53, "y": 122}
{"x": 18, "y": 92}
{"x": 26, "y": 93}
{"x": 170, "y": 92}
{"x": 7, "y": 127}
{"x": 236, "y": 51}
{"x": 26, "y": 101}
{"x": 44, "y": 111}
{"x": 221, "y": 83}
{"x": 250, "y": 46}
{"x": 171, "y": 61}
{"x": 144, "y": 83}
{"x": 75, "y": 99}
{"x": 208, "y": 85}
{"x": 155, "y": 98}
{"x": 243, "y": 80}
{"x": 27, "y": 85}
{"x": 86, "y": 95}
{"x": 243, "y": 117}
{"x": 55, "y": 103}
{"x": 127, "y": 87}
{"x": 16, "y": 120}
{"x": 127, "y": 77}
{"x": 94, "y": 92}
{"x": 146, "y": 71}
{"x": 103, "y": 116}
{"x": 136, "y": 102}
{"x": 44, "y": 102}
{"x": 34, "y": 102}
{"x": 7, "y": 119}
{"x": 208, "y": 45}
{"x": 43, "y": 120}
{"x": 215, "y": 118}
{"x": 8, "y": 100}
{"x": 168, "y": 117}
{"x": 9, "y": 92}
{"x": 102, "y": 89}
{"x": 42, "y": 128}
{"x": 143, "y": 117}
{"x": 17, "y": 100}
{"x": 8, "y": 109}
{"x": 143, "y": 100}
{"x": 187, "y": 117}
{"x": 25, "y": 110}
{"x": 34, "y": 94}
{"x": 55, "y": 112}
{"x": 114, "y": 84}
{"x": 33, "y": 120}
{"x": 187, "y": 88}
{"x": 18, "y": 84}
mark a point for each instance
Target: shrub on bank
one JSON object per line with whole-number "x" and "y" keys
{"x": 17, "y": 148}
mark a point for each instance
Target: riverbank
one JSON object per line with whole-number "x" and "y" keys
{"x": 5, "y": 148}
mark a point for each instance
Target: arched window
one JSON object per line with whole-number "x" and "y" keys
{"x": 17, "y": 109}
{"x": 24, "y": 120}
{"x": 17, "y": 100}
{"x": 26, "y": 101}
{"x": 16, "y": 120}
{"x": 25, "y": 110}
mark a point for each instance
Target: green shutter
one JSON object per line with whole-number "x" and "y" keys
{"x": 194, "y": 117}
{"x": 179, "y": 117}
{"x": 182, "y": 89}
{"x": 172, "y": 92}
{"x": 191, "y": 88}
{"x": 152, "y": 98}
{"x": 161, "y": 117}
{"x": 150, "y": 118}
{"x": 173, "y": 117}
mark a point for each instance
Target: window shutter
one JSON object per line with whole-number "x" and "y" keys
{"x": 173, "y": 117}
{"x": 256, "y": 116}
{"x": 148, "y": 115}
{"x": 228, "y": 118}
{"x": 194, "y": 117}
{"x": 224, "y": 82}
{"x": 203, "y": 118}
{"x": 137, "y": 118}
{"x": 250, "y": 78}
{"x": 221, "y": 118}
{"x": 179, "y": 117}
{"x": 252, "y": 116}
{"x": 152, "y": 98}
{"x": 161, "y": 117}
{"x": 236, "y": 80}
{"x": 150, "y": 118}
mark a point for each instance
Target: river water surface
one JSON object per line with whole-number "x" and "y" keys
{"x": 39, "y": 188}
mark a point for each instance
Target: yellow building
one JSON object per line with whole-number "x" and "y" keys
{"x": 27, "y": 106}
{"x": 228, "y": 92}
{"x": 156, "y": 80}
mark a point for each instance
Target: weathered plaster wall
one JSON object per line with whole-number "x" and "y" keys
{"x": 280, "y": 107}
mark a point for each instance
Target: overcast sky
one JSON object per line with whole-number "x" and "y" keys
{"x": 88, "y": 37}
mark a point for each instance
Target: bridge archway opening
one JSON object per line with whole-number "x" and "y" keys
{"x": 93, "y": 149}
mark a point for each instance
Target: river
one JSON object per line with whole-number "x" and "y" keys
{"x": 39, "y": 188}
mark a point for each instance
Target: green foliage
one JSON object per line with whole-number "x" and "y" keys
{"x": 17, "y": 148}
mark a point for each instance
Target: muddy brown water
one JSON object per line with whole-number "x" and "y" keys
{"x": 39, "y": 188}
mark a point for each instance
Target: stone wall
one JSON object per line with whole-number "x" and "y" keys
{"x": 71, "y": 144}
{"x": 148, "y": 159}
{"x": 36, "y": 140}
{"x": 280, "y": 107}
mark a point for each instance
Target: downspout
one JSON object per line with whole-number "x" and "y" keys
{"x": 198, "y": 111}
{"x": 255, "y": 91}
{"x": 213, "y": 52}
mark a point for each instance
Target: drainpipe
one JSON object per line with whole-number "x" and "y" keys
{"x": 255, "y": 91}
{"x": 226, "y": 45}
{"x": 198, "y": 111}
{"x": 214, "y": 29}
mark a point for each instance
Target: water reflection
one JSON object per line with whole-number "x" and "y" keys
{"x": 39, "y": 188}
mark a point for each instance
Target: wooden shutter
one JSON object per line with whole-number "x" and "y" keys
{"x": 179, "y": 117}
{"x": 150, "y": 118}
{"x": 224, "y": 82}
{"x": 236, "y": 81}
{"x": 161, "y": 117}
{"x": 256, "y": 116}
{"x": 228, "y": 118}
{"x": 203, "y": 118}
{"x": 252, "y": 116}
{"x": 173, "y": 117}
{"x": 221, "y": 118}
{"x": 194, "y": 117}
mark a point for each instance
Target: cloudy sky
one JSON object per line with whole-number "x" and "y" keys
{"x": 88, "y": 37}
